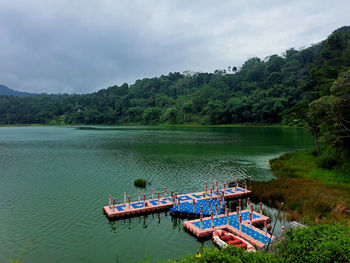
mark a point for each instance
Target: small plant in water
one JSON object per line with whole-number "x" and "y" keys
{"x": 18, "y": 260}
{"x": 140, "y": 183}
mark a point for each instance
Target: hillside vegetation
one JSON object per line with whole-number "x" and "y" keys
{"x": 276, "y": 89}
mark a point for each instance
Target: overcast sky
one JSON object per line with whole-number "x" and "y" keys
{"x": 80, "y": 46}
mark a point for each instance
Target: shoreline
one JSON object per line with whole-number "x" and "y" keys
{"x": 310, "y": 194}
{"x": 238, "y": 125}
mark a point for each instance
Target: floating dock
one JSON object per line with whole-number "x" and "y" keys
{"x": 202, "y": 204}
{"x": 161, "y": 203}
{"x": 230, "y": 222}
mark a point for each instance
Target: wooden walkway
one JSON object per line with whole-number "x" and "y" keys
{"x": 154, "y": 205}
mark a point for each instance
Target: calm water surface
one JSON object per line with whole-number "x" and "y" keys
{"x": 54, "y": 182}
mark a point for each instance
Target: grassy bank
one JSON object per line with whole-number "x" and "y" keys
{"x": 238, "y": 125}
{"x": 310, "y": 194}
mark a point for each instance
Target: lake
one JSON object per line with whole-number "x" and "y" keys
{"x": 54, "y": 182}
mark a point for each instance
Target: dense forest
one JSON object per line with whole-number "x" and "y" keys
{"x": 277, "y": 89}
{"x": 303, "y": 87}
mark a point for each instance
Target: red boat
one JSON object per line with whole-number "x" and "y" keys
{"x": 222, "y": 239}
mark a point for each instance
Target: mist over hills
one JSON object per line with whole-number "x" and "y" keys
{"x": 7, "y": 91}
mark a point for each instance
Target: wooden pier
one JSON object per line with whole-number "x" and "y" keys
{"x": 162, "y": 203}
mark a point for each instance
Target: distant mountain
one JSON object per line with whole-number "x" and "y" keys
{"x": 7, "y": 91}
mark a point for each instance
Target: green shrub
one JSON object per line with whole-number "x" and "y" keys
{"x": 328, "y": 158}
{"x": 314, "y": 153}
{"x": 322, "y": 243}
{"x": 227, "y": 255}
{"x": 140, "y": 183}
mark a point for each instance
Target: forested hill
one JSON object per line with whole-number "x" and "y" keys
{"x": 273, "y": 90}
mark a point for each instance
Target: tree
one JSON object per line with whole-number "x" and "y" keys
{"x": 151, "y": 115}
{"x": 338, "y": 121}
{"x": 330, "y": 115}
{"x": 316, "y": 117}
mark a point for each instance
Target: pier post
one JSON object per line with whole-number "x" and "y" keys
{"x": 129, "y": 201}
{"x": 245, "y": 184}
{"x": 202, "y": 210}
{"x": 139, "y": 196}
{"x": 124, "y": 197}
{"x": 165, "y": 192}
{"x": 109, "y": 201}
{"x": 240, "y": 205}
{"x": 113, "y": 204}
{"x": 144, "y": 200}
{"x": 178, "y": 205}
{"x": 216, "y": 209}
{"x": 209, "y": 206}
{"x": 216, "y": 183}
{"x": 211, "y": 192}
{"x": 227, "y": 215}
{"x": 152, "y": 194}
{"x": 194, "y": 205}
{"x": 265, "y": 226}
{"x": 237, "y": 211}
{"x": 201, "y": 219}
{"x": 206, "y": 187}
{"x": 260, "y": 208}
{"x": 251, "y": 218}
{"x": 240, "y": 222}
{"x": 158, "y": 198}
{"x": 212, "y": 220}
{"x": 248, "y": 202}
{"x": 227, "y": 183}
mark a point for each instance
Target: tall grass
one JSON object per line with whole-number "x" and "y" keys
{"x": 310, "y": 193}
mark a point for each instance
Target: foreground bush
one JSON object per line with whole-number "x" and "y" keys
{"x": 227, "y": 255}
{"x": 320, "y": 243}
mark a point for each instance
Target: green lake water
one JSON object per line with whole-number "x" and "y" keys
{"x": 54, "y": 182}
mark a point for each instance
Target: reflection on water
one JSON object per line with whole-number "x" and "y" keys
{"x": 54, "y": 182}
